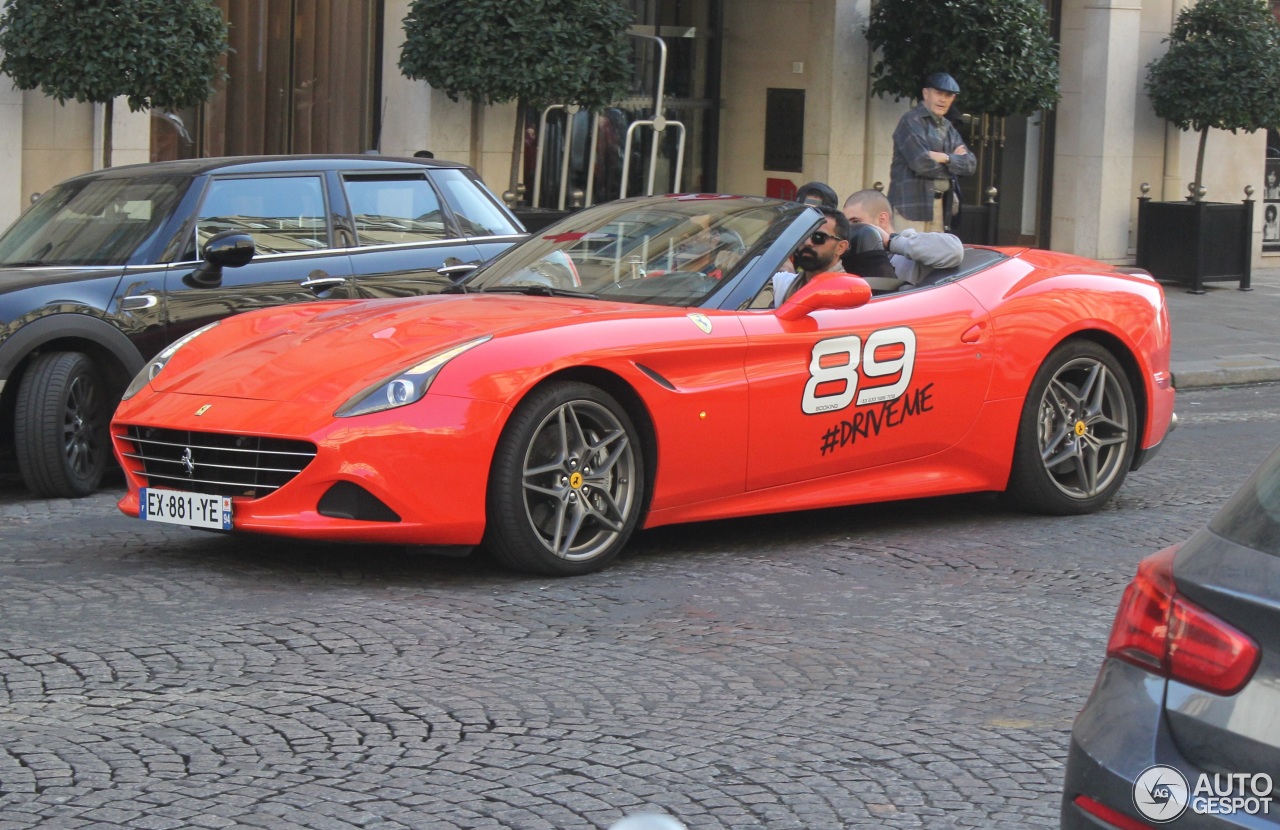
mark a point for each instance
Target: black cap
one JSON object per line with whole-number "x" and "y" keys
{"x": 942, "y": 82}
{"x": 816, "y": 193}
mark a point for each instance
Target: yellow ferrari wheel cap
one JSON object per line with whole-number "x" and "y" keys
{"x": 1081, "y": 428}
{"x": 575, "y": 481}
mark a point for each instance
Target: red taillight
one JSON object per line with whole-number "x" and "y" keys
{"x": 1110, "y": 816}
{"x": 1162, "y": 632}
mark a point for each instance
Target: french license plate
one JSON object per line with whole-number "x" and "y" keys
{"x": 178, "y": 508}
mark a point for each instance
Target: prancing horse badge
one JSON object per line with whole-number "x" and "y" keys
{"x": 702, "y": 321}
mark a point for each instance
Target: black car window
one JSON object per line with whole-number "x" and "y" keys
{"x": 473, "y": 204}
{"x": 392, "y": 210}
{"x": 91, "y": 222}
{"x": 1252, "y": 516}
{"x": 283, "y": 214}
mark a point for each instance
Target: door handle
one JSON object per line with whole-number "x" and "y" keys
{"x": 138, "y": 302}
{"x": 455, "y": 271}
{"x": 319, "y": 281}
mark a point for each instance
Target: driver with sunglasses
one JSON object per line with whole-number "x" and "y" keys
{"x": 836, "y": 240}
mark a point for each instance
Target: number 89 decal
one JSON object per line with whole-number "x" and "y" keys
{"x": 834, "y": 369}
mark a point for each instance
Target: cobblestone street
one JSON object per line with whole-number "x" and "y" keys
{"x": 914, "y": 665}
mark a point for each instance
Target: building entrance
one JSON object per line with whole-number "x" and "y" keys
{"x": 1015, "y": 158}
{"x": 662, "y": 138}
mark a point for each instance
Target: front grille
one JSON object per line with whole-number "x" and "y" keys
{"x": 213, "y": 463}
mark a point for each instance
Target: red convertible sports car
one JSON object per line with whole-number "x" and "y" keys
{"x": 627, "y": 368}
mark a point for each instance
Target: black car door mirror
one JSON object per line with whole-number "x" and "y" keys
{"x": 228, "y": 249}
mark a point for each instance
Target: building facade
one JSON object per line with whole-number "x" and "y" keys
{"x": 757, "y": 96}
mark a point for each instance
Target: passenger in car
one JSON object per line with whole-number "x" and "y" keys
{"x": 913, "y": 254}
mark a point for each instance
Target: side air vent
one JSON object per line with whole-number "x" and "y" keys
{"x": 346, "y": 500}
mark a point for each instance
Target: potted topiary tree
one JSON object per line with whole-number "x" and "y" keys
{"x": 572, "y": 52}
{"x": 1221, "y": 71}
{"x": 155, "y": 53}
{"x": 1002, "y": 54}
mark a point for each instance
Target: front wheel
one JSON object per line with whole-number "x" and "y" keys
{"x": 1077, "y": 434}
{"x": 60, "y": 426}
{"x": 567, "y": 485}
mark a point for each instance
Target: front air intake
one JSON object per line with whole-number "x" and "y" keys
{"x": 213, "y": 463}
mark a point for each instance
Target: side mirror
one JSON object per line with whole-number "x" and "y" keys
{"x": 228, "y": 249}
{"x": 829, "y": 290}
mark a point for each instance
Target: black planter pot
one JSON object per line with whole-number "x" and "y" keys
{"x": 1196, "y": 242}
{"x": 976, "y": 224}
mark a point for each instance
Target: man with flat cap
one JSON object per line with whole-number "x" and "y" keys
{"x": 928, "y": 155}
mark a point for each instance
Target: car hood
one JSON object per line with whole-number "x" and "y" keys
{"x": 323, "y": 353}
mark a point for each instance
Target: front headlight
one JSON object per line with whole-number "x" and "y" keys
{"x": 403, "y": 388}
{"x": 157, "y": 363}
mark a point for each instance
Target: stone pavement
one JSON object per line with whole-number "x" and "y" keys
{"x": 913, "y": 666}
{"x": 1226, "y": 336}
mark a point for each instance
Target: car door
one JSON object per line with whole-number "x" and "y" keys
{"x": 843, "y": 390}
{"x": 407, "y": 243}
{"x": 296, "y": 260}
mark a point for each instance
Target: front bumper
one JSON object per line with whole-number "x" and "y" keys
{"x": 427, "y": 462}
{"x": 1144, "y": 454}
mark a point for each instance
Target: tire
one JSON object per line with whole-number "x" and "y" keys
{"x": 1077, "y": 434}
{"x": 567, "y": 485}
{"x": 61, "y": 425}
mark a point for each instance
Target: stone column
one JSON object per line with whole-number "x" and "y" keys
{"x": 1095, "y": 136}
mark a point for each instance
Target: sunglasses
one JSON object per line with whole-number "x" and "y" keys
{"x": 821, "y": 237}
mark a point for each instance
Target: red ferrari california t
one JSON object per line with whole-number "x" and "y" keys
{"x": 628, "y": 368}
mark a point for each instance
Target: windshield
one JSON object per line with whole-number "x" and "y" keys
{"x": 673, "y": 251}
{"x": 90, "y": 222}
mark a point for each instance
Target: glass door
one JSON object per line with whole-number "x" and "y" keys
{"x": 689, "y": 82}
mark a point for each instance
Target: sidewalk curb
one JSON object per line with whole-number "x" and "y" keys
{"x": 1234, "y": 372}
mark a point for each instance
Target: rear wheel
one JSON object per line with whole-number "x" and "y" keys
{"x": 567, "y": 484}
{"x": 1078, "y": 432}
{"x": 60, "y": 426}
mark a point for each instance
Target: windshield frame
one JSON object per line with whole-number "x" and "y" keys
{"x": 556, "y": 252}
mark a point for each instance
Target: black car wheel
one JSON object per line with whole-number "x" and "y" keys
{"x": 1077, "y": 434}
{"x": 60, "y": 426}
{"x": 567, "y": 483}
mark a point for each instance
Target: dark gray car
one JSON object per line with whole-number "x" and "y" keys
{"x": 107, "y": 269}
{"x": 1184, "y": 720}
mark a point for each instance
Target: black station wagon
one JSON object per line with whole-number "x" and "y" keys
{"x": 107, "y": 269}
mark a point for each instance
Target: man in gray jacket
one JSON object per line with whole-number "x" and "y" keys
{"x": 912, "y": 253}
{"x": 928, "y": 155}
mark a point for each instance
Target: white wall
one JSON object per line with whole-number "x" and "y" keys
{"x": 417, "y": 117}
{"x": 130, "y": 134}
{"x": 57, "y": 141}
{"x": 12, "y": 199}
{"x": 763, "y": 40}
